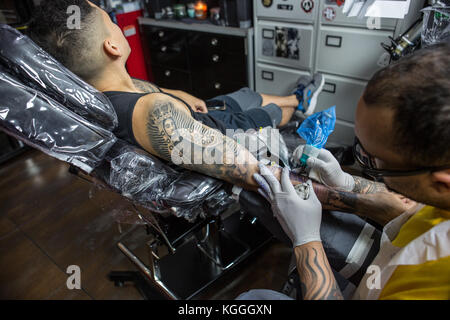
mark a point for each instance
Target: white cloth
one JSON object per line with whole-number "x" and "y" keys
{"x": 432, "y": 245}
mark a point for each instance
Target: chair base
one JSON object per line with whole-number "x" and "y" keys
{"x": 191, "y": 269}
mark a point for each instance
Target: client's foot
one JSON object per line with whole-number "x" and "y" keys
{"x": 307, "y": 91}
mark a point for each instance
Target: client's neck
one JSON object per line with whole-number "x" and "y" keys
{"x": 114, "y": 78}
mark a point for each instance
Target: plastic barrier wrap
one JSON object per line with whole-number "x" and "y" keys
{"x": 49, "y": 108}
{"x": 436, "y": 25}
{"x": 43, "y": 123}
{"x": 148, "y": 181}
{"x": 39, "y": 70}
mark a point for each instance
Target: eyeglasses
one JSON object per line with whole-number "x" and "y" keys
{"x": 368, "y": 164}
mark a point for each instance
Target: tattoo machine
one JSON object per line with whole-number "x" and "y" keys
{"x": 315, "y": 130}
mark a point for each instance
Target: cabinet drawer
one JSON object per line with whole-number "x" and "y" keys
{"x": 275, "y": 80}
{"x": 210, "y": 87}
{"x": 344, "y": 93}
{"x": 349, "y": 51}
{"x": 158, "y": 35}
{"x": 172, "y": 79}
{"x": 167, "y": 47}
{"x": 201, "y": 43}
{"x": 225, "y": 66}
{"x": 296, "y": 10}
{"x": 172, "y": 55}
{"x": 331, "y": 14}
{"x": 285, "y": 44}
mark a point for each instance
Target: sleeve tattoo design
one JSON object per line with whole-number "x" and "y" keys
{"x": 366, "y": 186}
{"x": 177, "y": 137}
{"x": 317, "y": 281}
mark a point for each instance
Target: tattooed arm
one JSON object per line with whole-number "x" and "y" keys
{"x": 163, "y": 126}
{"x": 366, "y": 186}
{"x": 372, "y": 200}
{"x": 317, "y": 280}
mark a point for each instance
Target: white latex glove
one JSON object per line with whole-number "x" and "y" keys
{"x": 299, "y": 218}
{"x": 326, "y": 169}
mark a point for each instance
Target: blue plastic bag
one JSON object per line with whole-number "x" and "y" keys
{"x": 316, "y": 130}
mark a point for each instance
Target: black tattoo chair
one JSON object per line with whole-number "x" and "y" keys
{"x": 191, "y": 216}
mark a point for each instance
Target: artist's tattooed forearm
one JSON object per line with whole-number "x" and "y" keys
{"x": 145, "y": 86}
{"x": 366, "y": 186}
{"x": 316, "y": 277}
{"x": 175, "y": 136}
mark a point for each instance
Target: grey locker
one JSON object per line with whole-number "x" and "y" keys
{"x": 295, "y": 10}
{"x": 344, "y": 93}
{"x": 343, "y": 134}
{"x": 350, "y": 52}
{"x": 285, "y": 44}
{"x": 276, "y": 80}
{"x": 331, "y": 14}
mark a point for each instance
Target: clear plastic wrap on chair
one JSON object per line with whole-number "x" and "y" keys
{"x": 43, "y": 123}
{"x": 436, "y": 25}
{"x": 39, "y": 70}
{"x": 147, "y": 180}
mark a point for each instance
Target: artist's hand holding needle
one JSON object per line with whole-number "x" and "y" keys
{"x": 299, "y": 218}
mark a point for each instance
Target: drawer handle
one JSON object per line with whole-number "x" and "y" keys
{"x": 329, "y": 87}
{"x": 167, "y": 73}
{"x": 217, "y": 85}
{"x": 215, "y": 58}
{"x": 161, "y": 34}
{"x": 266, "y": 75}
{"x": 163, "y": 49}
{"x": 214, "y": 42}
{"x": 333, "y": 41}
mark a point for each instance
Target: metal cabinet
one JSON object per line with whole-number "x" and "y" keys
{"x": 204, "y": 60}
{"x": 345, "y": 50}
{"x": 350, "y": 52}
{"x": 344, "y": 93}
{"x": 285, "y": 44}
{"x": 275, "y": 80}
{"x": 331, "y": 14}
{"x": 294, "y": 10}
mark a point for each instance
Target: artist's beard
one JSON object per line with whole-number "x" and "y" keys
{"x": 414, "y": 190}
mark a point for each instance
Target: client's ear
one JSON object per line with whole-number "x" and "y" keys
{"x": 442, "y": 177}
{"x": 112, "y": 49}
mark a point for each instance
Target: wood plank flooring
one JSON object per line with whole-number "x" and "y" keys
{"x": 51, "y": 219}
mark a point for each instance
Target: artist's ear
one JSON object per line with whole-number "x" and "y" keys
{"x": 111, "y": 48}
{"x": 442, "y": 177}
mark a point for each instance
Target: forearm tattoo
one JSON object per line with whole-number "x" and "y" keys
{"x": 366, "y": 186}
{"x": 316, "y": 277}
{"x": 177, "y": 137}
{"x": 145, "y": 86}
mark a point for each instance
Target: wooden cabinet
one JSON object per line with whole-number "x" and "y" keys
{"x": 204, "y": 60}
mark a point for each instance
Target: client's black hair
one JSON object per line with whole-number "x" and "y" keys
{"x": 417, "y": 89}
{"x": 77, "y": 49}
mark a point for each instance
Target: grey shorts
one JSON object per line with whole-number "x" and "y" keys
{"x": 248, "y": 99}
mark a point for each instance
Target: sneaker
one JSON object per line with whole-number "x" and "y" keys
{"x": 307, "y": 91}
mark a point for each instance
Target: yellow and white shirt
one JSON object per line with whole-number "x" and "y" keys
{"x": 414, "y": 257}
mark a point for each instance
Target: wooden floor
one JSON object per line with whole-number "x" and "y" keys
{"x": 50, "y": 219}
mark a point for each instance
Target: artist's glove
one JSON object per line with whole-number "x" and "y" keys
{"x": 299, "y": 218}
{"x": 326, "y": 169}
